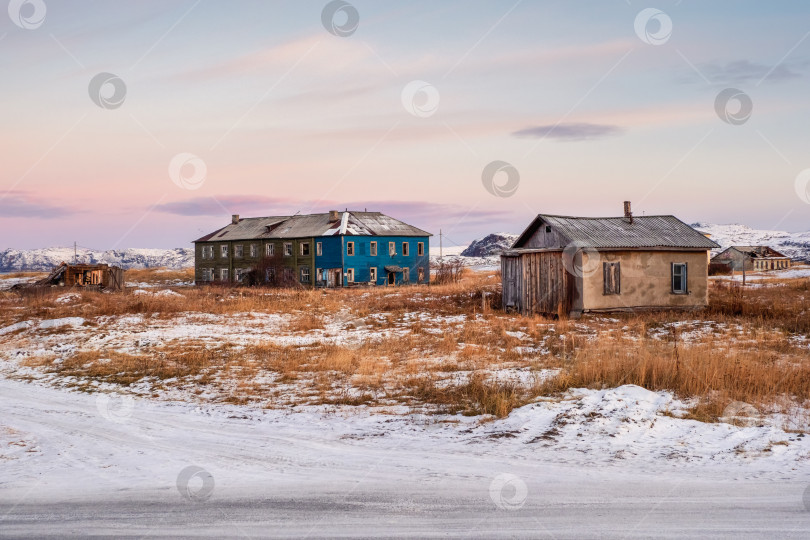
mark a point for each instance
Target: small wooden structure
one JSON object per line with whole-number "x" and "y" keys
{"x": 99, "y": 276}
{"x": 565, "y": 265}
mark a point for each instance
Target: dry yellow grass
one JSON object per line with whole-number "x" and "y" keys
{"x": 750, "y": 345}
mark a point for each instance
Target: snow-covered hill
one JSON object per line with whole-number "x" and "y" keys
{"x": 492, "y": 244}
{"x": 34, "y": 260}
{"x": 794, "y": 245}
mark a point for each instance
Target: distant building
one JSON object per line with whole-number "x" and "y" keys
{"x": 333, "y": 249}
{"x": 569, "y": 265}
{"x": 751, "y": 258}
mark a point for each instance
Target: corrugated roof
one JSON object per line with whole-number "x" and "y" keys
{"x": 763, "y": 252}
{"x": 620, "y": 232}
{"x": 314, "y": 225}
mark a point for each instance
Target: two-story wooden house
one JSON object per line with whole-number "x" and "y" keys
{"x": 333, "y": 249}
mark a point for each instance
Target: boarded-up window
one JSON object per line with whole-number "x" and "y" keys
{"x": 679, "y": 278}
{"x": 613, "y": 277}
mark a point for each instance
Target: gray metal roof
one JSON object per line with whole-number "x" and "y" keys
{"x": 620, "y": 232}
{"x": 349, "y": 223}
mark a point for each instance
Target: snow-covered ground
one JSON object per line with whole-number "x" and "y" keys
{"x": 608, "y": 463}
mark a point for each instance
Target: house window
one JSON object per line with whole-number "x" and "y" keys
{"x": 304, "y": 249}
{"x": 420, "y": 248}
{"x": 392, "y": 248}
{"x": 207, "y": 274}
{"x": 223, "y": 274}
{"x": 679, "y": 278}
{"x": 223, "y": 250}
{"x": 405, "y": 248}
{"x": 406, "y": 275}
{"x": 319, "y": 248}
{"x": 254, "y": 250}
{"x": 208, "y": 252}
{"x": 270, "y": 250}
{"x": 320, "y": 273}
{"x": 349, "y": 248}
{"x": 288, "y": 273}
{"x": 239, "y": 274}
{"x": 373, "y": 274}
{"x": 350, "y": 275}
{"x": 420, "y": 274}
{"x": 270, "y": 274}
{"x": 238, "y": 251}
{"x": 305, "y": 274}
{"x": 288, "y": 249}
{"x": 372, "y": 250}
{"x": 612, "y": 274}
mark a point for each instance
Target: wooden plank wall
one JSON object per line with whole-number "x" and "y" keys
{"x": 536, "y": 283}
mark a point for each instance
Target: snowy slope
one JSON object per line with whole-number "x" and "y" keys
{"x": 12, "y": 260}
{"x": 794, "y": 245}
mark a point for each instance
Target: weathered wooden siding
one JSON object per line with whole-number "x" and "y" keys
{"x": 536, "y": 282}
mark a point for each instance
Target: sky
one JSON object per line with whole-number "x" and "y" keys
{"x": 149, "y": 123}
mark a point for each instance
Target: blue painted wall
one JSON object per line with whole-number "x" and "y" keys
{"x": 334, "y": 255}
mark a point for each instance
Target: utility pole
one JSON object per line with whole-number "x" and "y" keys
{"x": 441, "y": 249}
{"x": 75, "y": 254}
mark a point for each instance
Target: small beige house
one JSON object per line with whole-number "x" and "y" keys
{"x": 564, "y": 265}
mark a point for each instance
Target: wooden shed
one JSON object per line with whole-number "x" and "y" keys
{"x": 565, "y": 265}
{"x": 100, "y": 276}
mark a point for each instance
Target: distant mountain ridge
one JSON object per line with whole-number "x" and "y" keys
{"x": 40, "y": 260}
{"x": 794, "y": 245}
{"x": 492, "y": 244}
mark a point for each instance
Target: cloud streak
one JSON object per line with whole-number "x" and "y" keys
{"x": 21, "y": 204}
{"x": 569, "y": 131}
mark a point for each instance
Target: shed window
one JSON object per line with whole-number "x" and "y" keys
{"x": 349, "y": 248}
{"x": 288, "y": 249}
{"x": 270, "y": 250}
{"x": 304, "y": 249}
{"x": 319, "y": 248}
{"x": 613, "y": 277}
{"x": 238, "y": 250}
{"x": 420, "y": 248}
{"x": 372, "y": 250}
{"x": 679, "y": 278}
{"x": 405, "y": 249}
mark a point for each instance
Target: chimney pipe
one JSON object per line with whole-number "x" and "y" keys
{"x": 628, "y": 215}
{"x": 333, "y": 215}
{"x": 235, "y": 219}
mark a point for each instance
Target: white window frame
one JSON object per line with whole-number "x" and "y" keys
{"x": 270, "y": 250}
{"x": 223, "y": 251}
{"x": 223, "y": 274}
{"x": 253, "y": 250}
{"x": 208, "y": 252}
{"x": 406, "y": 249}
{"x": 350, "y": 275}
{"x": 239, "y": 274}
{"x": 420, "y": 248}
{"x": 238, "y": 251}
{"x": 372, "y": 250}
{"x": 301, "y": 248}
{"x": 373, "y": 274}
{"x": 392, "y": 249}
{"x": 288, "y": 249}
{"x": 305, "y": 270}
{"x": 318, "y": 249}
